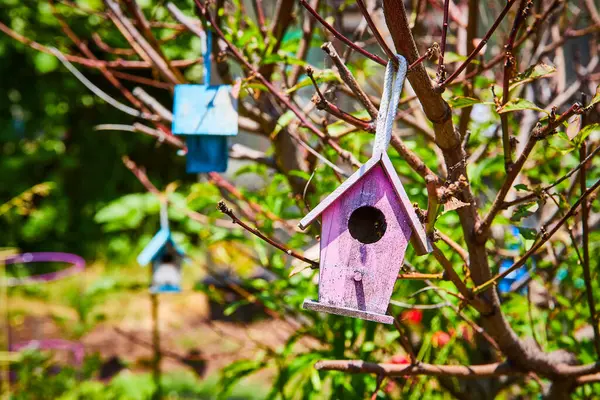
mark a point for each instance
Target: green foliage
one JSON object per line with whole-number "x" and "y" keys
{"x": 41, "y": 377}
{"x": 96, "y": 207}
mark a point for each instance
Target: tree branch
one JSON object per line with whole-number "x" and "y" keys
{"x": 458, "y": 371}
{"x": 229, "y": 212}
{"x": 546, "y": 236}
{"x": 285, "y": 101}
{"x": 341, "y": 37}
{"x": 586, "y": 251}
{"x": 538, "y": 134}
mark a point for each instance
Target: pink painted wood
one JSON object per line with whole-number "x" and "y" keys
{"x": 342, "y": 256}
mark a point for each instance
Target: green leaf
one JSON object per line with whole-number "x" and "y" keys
{"x": 527, "y": 233}
{"x": 596, "y": 98}
{"x": 521, "y": 186}
{"x": 519, "y": 105}
{"x": 532, "y": 73}
{"x": 282, "y": 59}
{"x": 585, "y": 132}
{"x": 324, "y": 76}
{"x": 283, "y": 121}
{"x": 457, "y": 102}
{"x": 45, "y": 62}
{"x": 451, "y": 57}
{"x": 524, "y": 211}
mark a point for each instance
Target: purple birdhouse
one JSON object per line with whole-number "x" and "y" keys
{"x": 367, "y": 224}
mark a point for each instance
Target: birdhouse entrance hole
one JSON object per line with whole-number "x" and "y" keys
{"x": 167, "y": 258}
{"x": 367, "y": 224}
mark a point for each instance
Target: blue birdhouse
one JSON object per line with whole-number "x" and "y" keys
{"x": 517, "y": 276}
{"x": 206, "y": 115}
{"x": 166, "y": 259}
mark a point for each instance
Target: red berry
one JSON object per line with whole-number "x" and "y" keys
{"x": 440, "y": 339}
{"x": 399, "y": 359}
{"x": 412, "y": 316}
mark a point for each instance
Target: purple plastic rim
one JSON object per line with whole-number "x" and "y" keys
{"x": 75, "y": 348}
{"x": 77, "y": 265}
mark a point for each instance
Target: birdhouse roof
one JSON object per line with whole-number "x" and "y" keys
{"x": 205, "y": 110}
{"x": 419, "y": 237}
{"x": 156, "y": 245}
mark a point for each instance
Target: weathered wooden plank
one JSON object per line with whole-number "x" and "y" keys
{"x": 355, "y": 275}
{"x": 347, "y": 184}
{"x": 421, "y": 243}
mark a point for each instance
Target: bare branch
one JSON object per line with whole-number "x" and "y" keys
{"x": 228, "y": 211}
{"x": 285, "y": 101}
{"x": 159, "y": 62}
{"x": 341, "y": 37}
{"x": 532, "y": 196}
{"x": 477, "y": 303}
{"x": 586, "y": 250}
{"x": 538, "y": 134}
{"x": 154, "y": 104}
{"x": 390, "y": 54}
{"x": 349, "y": 80}
{"x": 459, "y": 371}
{"x": 540, "y": 242}
{"x": 441, "y": 72}
{"x": 483, "y": 42}
{"x": 98, "y": 92}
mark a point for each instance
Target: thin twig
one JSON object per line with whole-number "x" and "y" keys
{"x": 144, "y": 25}
{"x": 161, "y": 64}
{"x": 153, "y": 104}
{"x": 349, "y": 79}
{"x": 405, "y": 341}
{"x": 479, "y": 304}
{"x": 419, "y": 306}
{"x": 260, "y": 17}
{"x": 441, "y": 71}
{"x": 532, "y": 196}
{"x": 538, "y": 134}
{"x": 464, "y": 255}
{"x": 483, "y": 42}
{"x": 478, "y": 329}
{"x": 586, "y": 251}
{"x": 308, "y": 26}
{"x": 432, "y": 203}
{"x": 98, "y": 92}
{"x": 119, "y": 63}
{"x": 509, "y": 67}
{"x": 341, "y": 37}
{"x": 375, "y": 31}
{"x": 285, "y": 101}
{"x": 420, "y": 276}
{"x": 229, "y": 212}
{"x": 519, "y": 263}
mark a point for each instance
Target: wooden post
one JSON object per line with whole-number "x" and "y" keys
{"x": 156, "y": 372}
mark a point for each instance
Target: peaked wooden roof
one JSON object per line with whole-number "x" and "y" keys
{"x": 418, "y": 238}
{"x": 154, "y": 248}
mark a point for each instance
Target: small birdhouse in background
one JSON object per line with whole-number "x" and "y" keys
{"x": 206, "y": 115}
{"x": 166, "y": 259}
{"x": 367, "y": 224}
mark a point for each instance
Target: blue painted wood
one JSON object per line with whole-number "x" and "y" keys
{"x": 155, "y": 248}
{"x": 166, "y": 271}
{"x": 166, "y": 277}
{"x": 206, "y": 154}
{"x": 204, "y": 110}
{"x": 206, "y": 57}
